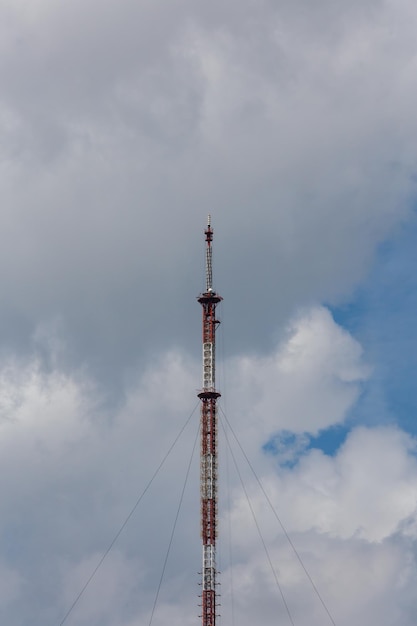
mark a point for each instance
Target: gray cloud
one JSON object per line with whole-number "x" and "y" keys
{"x": 71, "y": 471}
{"x": 121, "y": 127}
{"x": 124, "y": 126}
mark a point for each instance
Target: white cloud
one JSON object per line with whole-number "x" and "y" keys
{"x": 111, "y": 598}
{"x": 366, "y": 491}
{"x": 358, "y": 582}
{"x": 309, "y": 382}
{"x": 345, "y": 515}
{"x": 72, "y": 471}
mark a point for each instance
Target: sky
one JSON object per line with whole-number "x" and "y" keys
{"x": 122, "y": 125}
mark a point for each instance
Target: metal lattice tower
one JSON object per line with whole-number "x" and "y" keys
{"x": 208, "y": 456}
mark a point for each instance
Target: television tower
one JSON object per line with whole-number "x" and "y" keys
{"x": 208, "y": 455}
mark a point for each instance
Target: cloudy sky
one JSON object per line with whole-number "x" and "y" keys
{"x": 122, "y": 125}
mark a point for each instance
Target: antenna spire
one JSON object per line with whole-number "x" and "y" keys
{"x": 208, "y": 458}
{"x": 209, "y": 265}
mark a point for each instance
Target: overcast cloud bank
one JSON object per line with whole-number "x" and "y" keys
{"x": 295, "y": 127}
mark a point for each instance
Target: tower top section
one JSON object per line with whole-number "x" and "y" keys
{"x": 209, "y": 294}
{"x": 209, "y": 267}
{"x": 208, "y": 457}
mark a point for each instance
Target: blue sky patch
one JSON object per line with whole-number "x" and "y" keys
{"x": 382, "y": 316}
{"x": 330, "y": 439}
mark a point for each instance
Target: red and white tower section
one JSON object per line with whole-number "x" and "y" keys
{"x": 208, "y": 458}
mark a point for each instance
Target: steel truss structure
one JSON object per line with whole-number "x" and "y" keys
{"x": 208, "y": 456}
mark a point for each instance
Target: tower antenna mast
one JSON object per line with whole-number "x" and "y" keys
{"x": 208, "y": 456}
